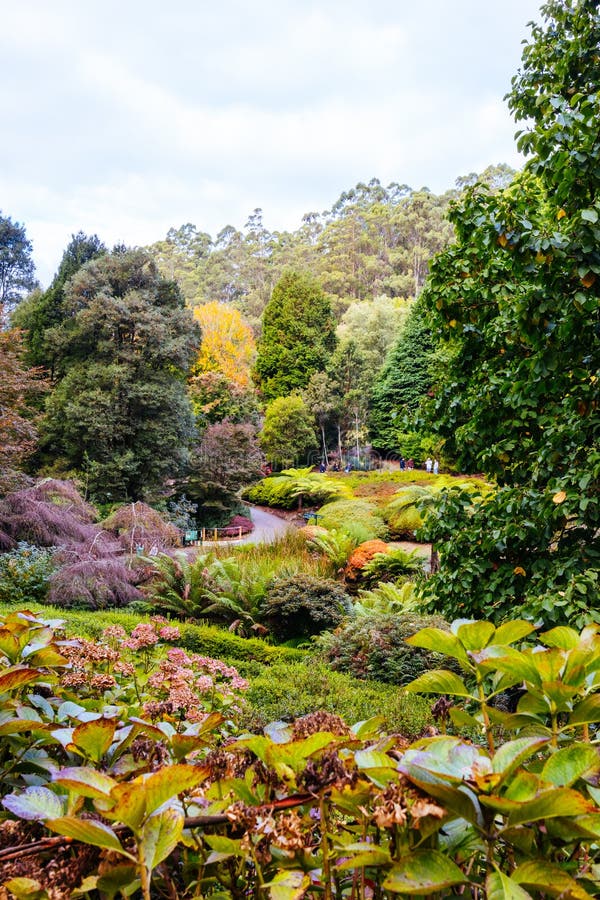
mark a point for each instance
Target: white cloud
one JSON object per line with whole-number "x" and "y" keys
{"x": 127, "y": 118}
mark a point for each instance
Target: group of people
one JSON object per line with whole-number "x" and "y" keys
{"x": 432, "y": 465}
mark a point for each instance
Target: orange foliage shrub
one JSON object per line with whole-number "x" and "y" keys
{"x": 363, "y": 554}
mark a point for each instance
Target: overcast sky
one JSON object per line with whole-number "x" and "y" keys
{"x": 126, "y": 117}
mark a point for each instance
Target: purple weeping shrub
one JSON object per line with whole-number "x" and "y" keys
{"x": 94, "y": 569}
{"x": 49, "y": 514}
{"x": 138, "y": 525}
{"x": 93, "y": 583}
{"x": 6, "y": 542}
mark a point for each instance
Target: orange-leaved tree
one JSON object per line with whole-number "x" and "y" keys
{"x": 227, "y": 344}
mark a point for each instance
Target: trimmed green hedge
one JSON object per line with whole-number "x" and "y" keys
{"x": 289, "y": 690}
{"x": 206, "y": 639}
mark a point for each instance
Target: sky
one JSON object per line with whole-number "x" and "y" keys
{"x": 124, "y": 118}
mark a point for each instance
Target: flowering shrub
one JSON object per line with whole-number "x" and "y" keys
{"x": 129, "y": 804}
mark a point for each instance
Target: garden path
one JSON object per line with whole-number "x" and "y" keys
{"x": 267, "y": 527}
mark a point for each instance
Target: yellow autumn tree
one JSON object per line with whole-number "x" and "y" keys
{"x": 227, "y": 347}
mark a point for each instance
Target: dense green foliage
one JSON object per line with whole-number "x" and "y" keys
{"x": 516, "y": 302}
{"x": 374, "y": 646}
{"x": 374, "y": 240}
{"x": 504, "y": 817}
{"x": 17, "y": 271}
{"x": 401, "y": 384}
{"x": 119, "y": 413}
{"x": 353, "y": 513}
{"x": 287, "y": 690}
{"x": 25, "y": 574}
{"x": 42, "y": 312}
{"x": 287, "y": 434}
{"x": 302, "y": 605}
{"x": 298, "y": 336}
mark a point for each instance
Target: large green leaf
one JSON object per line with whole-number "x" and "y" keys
{"x": 36, "y": 803}
{"x": 570, "y": 763}
{"x": 94, "y": 738}
{"x": 160, "y": 835}
{"x": 440, "y": 641}
{"x": 550, "y": 879}
{"x": 439, "y": 681}
{"x": 423, "y": 872}
{"x": 85, "y": 781}
{"x": 17, "y": 726}
{"x": 169, "y": 782}
{"x": 296, "y": 753}
{"x": 17, "y": 677}
{"x": 88, "y": 832}
{"x": 562, "y": 636}
{"x": 512, "y": 631}
{"x": 586, "y": 712}
{"x": 288, "y": 885}
{"x": 512, "y": 753}
{"x": 26, "y": 889}
{"x": 373, "y": 759}
{"x": 363, "y": 854}
{"x": 559, "y": 802}
{"x": 499, "y": 886}
{"x": 475, "y": 635}
{"x": 127, "y": 804}
{"x": 519, "y": 665}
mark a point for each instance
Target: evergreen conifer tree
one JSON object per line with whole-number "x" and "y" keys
{"x": 298, "y": 336}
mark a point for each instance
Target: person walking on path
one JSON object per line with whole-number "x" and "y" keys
{"x": 428, "y": 464}
{"x": 436, "y": 467}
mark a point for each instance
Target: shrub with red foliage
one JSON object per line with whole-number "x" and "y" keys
{"x": 93, "y": 571}
{"x": 138, "y": 525}
{"x": 233, "y": 529}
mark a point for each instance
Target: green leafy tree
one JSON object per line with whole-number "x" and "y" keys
{"x": 516, "y": 302}
{"x": 288, "y": 432}
{"x": 17, "y": 271}
{"x": 298, "y": 336}
{"x": 42, "y": 312}
{"x": 402, "y": 382}
{"x": 120, "y": 413}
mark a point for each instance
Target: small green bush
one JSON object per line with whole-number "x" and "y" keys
{"x": 405, "y": 523}
{"x": 343, "y": 513}
{"x": 302, "y": 606}
{"x": 373, "y": 646}
{"x": 25, "y": 574}
{"x": 289, "y": 690}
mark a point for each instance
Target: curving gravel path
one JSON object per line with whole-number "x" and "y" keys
{"x": 267, "y": 527}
